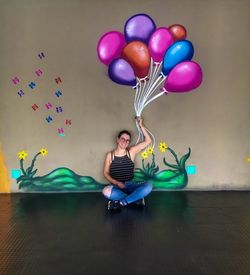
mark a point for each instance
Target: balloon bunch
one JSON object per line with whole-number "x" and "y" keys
{"x": 154, "y": 61}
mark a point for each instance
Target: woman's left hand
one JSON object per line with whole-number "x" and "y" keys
{"x": 139, "y": 120}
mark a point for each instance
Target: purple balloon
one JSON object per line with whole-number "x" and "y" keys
{"x": 159, "y": 42}
{"x": 184, "y": 77}
{"x": 121, "y": 72}
{"x": 110, "y": 46}
{"x": 139, "y": 27}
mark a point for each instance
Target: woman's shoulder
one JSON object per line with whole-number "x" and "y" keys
{"x": 110, "y": 155}
{"x": 130, "y": 153}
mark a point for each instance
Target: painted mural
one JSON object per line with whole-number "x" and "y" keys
{"x": 154, "y": 61}
{"x": 60, "y": 179}
{"x": 64, "y": 179}
{"x": 175, "y": 177}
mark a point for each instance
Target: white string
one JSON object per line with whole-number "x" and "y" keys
{"x": 139, "y": 131}
{"x": 156, "y": 96}
{"x": 141, "y": 95}
{"x": 145, "y": 94}
{"x": 151, "y": 91}
{"x": 135, "y": 106}
{"x": 152, "y": 97}
{"x": 152, "y": 75}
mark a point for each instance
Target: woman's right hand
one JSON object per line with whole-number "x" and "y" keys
{"x": 121, "y": 185}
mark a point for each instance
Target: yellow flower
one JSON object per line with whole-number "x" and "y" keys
{"x": 150, "y": 150}
{"x": 163, "y": 147}
{"x": 248, "y": 159}
{"x": 144, "y": 155}
{"x": 22, "y": 155}
{"x": 44, "y": 152}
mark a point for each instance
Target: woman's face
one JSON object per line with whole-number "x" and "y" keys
{"x": 123, "y": 141}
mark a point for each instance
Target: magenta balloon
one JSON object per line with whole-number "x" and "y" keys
{"x": 110, "y": 46}
{"x": 184, "y": 77}
{"x": 159, "y": 42}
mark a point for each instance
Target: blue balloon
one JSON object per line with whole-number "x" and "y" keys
{"x": 180, "y": 51}
{"x": 121, "y": 72}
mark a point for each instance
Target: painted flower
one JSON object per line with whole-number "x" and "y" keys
{"x": 44, "y": 152}
{"x": 150, "y": 150}
{"x": 22, "y": 155}
{"x": 163, "y": 147}
{"x": 144, "y": 155}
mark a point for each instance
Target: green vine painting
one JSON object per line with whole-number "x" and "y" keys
{"x": 175, "y": 177}
{"x": 65, "y": 180}
{"x": 60, "y": 179}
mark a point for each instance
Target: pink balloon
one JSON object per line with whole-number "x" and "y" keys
{"x": 184, "y": 77}
{"x": 159, "y": 42}
{"x": 110, "y": 46}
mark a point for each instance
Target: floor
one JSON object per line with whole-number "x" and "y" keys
{"x": 177, "y": 233}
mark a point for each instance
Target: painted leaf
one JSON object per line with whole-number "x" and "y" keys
{"x": 170, "y": 165}
{"x": 20, "y": 179}
{"x": 28, "y": 170}
{"x": 184, "y": 158}
{"x": 33, "y": 173}
{"x": 25, "y": 183}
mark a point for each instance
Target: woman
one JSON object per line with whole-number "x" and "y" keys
{"x": 119, "y": 171}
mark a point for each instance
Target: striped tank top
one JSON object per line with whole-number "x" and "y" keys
{"x": 121, "y": 168}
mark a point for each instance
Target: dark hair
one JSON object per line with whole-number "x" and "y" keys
{"x": 124, "y": 132}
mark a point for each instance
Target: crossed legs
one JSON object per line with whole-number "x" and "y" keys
{"x": 133, "y": 192}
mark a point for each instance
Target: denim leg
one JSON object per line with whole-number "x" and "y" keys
{"x": 137, "y": 191}
{"x": 113, "y": 193}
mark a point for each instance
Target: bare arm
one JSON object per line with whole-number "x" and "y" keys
{"x": 107, "y": 175}
{"x": 134, "y": 150}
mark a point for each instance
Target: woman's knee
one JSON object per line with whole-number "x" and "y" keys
{"x": 147, "y": 188}
{"x": 107, "y": 191}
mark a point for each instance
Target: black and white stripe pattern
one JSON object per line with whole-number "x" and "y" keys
{"x": 122, "y": 168}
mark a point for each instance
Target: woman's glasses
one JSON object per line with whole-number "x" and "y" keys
{"x": 124, "y": 139}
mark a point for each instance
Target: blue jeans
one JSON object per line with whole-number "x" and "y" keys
{"x": 133, "y": 191}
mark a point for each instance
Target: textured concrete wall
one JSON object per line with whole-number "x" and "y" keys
{"x": 213, "y": 120}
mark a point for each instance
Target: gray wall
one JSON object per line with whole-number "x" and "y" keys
{"x": 213, "y": 120}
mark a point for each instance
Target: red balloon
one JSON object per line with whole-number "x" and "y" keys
{"x": 178, "y": 31}
{"x": 136, "y": 53}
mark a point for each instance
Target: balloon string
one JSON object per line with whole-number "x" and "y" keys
{"x": 135, "y": 105}
{"x": 149, "y": 76}
{"x": 141, "y": 96}
{"x": 156, "y": 96}
{"x": 154, "y": 88}
{"x": 156, "y": 75}
{"x": 147, "y": 83}
{"x": 141, "y": 135}
{"x": 152, "y": 81}
{"x": 152, "y": 75}
{"x": 144, "y": 95}
{"x": 136, "y": 97}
